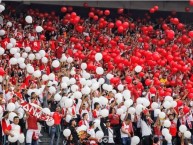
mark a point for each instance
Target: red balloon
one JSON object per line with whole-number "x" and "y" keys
{"x": 118, "y": 23}
{"x": 63, "y": 9}
{"x": 170, "y": 34}
{"x": 187, "y": 9}
{"x": 152, "y": 10}
{"x": 42, "y": 37}
{"x": 190, "y": 34}
{"x": 107, "y": 12}
{"x": 91, "y": 14}
{"x": 152, "y": 90}
{"x": 120, "y": 29}
{"x": 156, "y": 8}
{"x": 79, "y": 29}
{"x": 73, "y": 15}
{"x": 175, "y": 21}
{"x": 128, "y": 79}
{"x": 179, "y": 103}
{"x": 120, "y": 10}
{"x": 190, "y": 96}
{"x": 95, "y": 17}
{"x": 191, "y": 2}
{"x": 111, "y": 25}
{"x": 85, "y": 5}
{"x": 148, "y": 82}
{"x": 186, "y": 109}
{"x": 2, "y": 72}
{"x": 125, "y": 25}
{"x": 70, "y": 9}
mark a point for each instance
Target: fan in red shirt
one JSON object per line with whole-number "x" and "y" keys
{"x": 59, "y": 50}
{"x": 173, "y": 127}
{"x": 35, "y": 45}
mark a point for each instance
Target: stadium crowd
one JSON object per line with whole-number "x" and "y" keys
{"x": 95, "y": 80}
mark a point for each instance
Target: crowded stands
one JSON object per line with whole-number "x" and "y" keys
{"x": 95, "y": 80}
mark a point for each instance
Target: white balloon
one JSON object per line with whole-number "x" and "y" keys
{"x": 27, "y": 49}
{"x": 126, "y": 94}
{"x": 99, "y": 134}
{"x": 31, "y": 56}
{"x": 109, "y": 76}
{"x": 24, "y": 55}
{"x": 13, "y": 61}
{"x": 44, "y": 60}
{"x": 42, "y": 53}
{"x": 11, "y": 116}
{"x": 37, "y": 73}
{"x": 162, "y": 115}
{"x": 103, "y": 100}
{"x": 21, "y": 138}
{"x": 95, "y": 86}
{"x": 109, "y": 88}
{"x": 120, "y": 111}
{"x": 63, "y": 59}
{"x": 10, "y": 107}
{"x": 69, "y": 59}
{"x": 77, "y": 95}
{"x": 9, "y": 45}
{"x": 167, "y": 104}
{"x": 156, "y": 112}
{"x": 168, "y": 137}
{"x": 120, "y": 87}
{"x": 13, "y": 50}
{"x": 9, "y": 24}
{"x": 22, "y": 65}
{"x": 105, "y": 87}
{"x": 68, "y": 118}
{"x": 99, "y": 70}
{"x": 98, "y": 56}
{"x": 128, "y": 103}
{"x": 28, "y": 19}
{"x": 57, "y": 97}
{"x": 86, "y": 75}
{"x": 173, "y": 104}
{"x": 14, "y": 138}
{"x": 132, "y": 110}
{"x": 52, "y": 90}
{"x": 2, "y": 32}
{"x": 55, "y": 63}
{"x": 30, "y": 69}
{"x": 51, "y": 76}
{"x": 66, "y": 132}
{"x": 83, "y": 66}
{"x": 45, "y": 77}
{"x": 2, "y": 8}
{"x": 167, "y": 123}
{"x": 104, "y": 112}
{"x": 154, "y": 105}
{"x": 46, "y": 111}
{"x": 72, "y": 81}
{"x": 20, "y": 60}
{"x": 139, "y": 108}
{"x": 74, "y": 88}
{"x": 165, "y": 131}
{"x": 101, "y": 81}
{"x": 65, "y": 79}
{"x": 135, "y": 140}
{"x": 83, "y": 81}
{"x": 50, "y": 123}
{"x": 168, "y": 98}
{"x": 187, "y": 134}
{"x": 13, "y": 41}
{"x": 139, "y": 100}
{"x": 138, "y": 69}
{"x": 39, "y": 29}
{"x": 182, "y": 128}
{"x": 68, "y": 103}
{"x": 38, "y": 56}
{"x": 86, "y": 90}
{"x": 2, "y": 51}
{"x": 146, "y": 102}
{"x": 64, "y": 85}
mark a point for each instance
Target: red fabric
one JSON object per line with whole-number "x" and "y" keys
{"x": 5, "y": 126}
{"x": 57, "y": 118}
{"x": 35, "y": 45}
{"x": 4, "y": 42}
{"x": 32, "y": 122}
{"x": 53, "y": 44}
{"x": 114, "y": 119}
{"x": 19, "y": 44}
{"x": 173, "y": 128}
{"x": 59, "y": 52}
{"x": 95, "y": 114}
